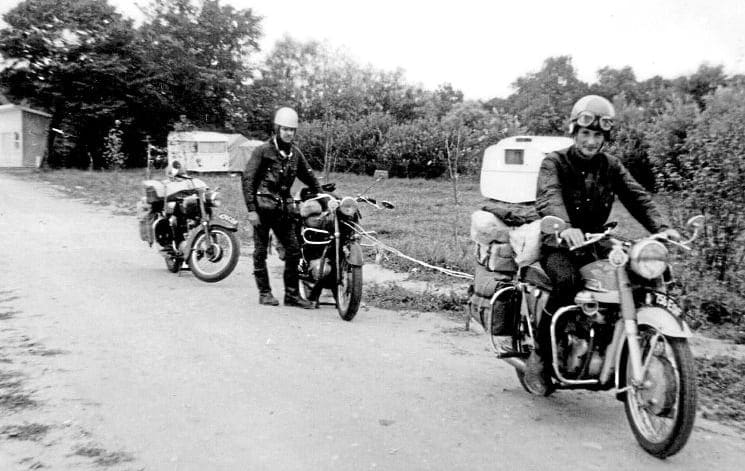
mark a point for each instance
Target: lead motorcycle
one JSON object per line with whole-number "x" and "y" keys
{"x": 180, "y": 215}
{"x": 330, "y": 235}
{"x": 623, "y": 332}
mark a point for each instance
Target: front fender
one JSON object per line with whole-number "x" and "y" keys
{"x": 662, "y": 320}
{"x": 355, "y": 255}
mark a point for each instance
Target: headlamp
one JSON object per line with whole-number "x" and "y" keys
{"x": 348, "y": 206}
{"x": 649, "y": 259}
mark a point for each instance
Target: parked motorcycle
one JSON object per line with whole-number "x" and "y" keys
{"x": 624, "y": 331}
{"x": 331, "y": 254}
{"x": 179, "y": 213}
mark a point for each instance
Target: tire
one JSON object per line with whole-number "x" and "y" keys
{"x": 348, "y": 294}
{"x": 174, "y": 264}
{"x": 210, "y": 265}
{"x": 662, "y": 427}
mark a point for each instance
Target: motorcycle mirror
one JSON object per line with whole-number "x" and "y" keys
{"x": 388, "y": 204}
{"x": 552, "y": 224}
{"x": 696, "y": 222}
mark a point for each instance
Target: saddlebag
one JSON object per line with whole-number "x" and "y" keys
{"x": 486, "y": 284}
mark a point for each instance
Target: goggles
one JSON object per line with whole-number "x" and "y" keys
{"x": 587, "y": 118}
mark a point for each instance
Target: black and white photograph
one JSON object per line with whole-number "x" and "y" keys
{"x": 248, "y": 235}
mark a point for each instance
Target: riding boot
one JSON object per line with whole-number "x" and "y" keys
{"x": 265, "y": 289}
{"x": 537, "y": 376}
{"x": 292, "y": 298}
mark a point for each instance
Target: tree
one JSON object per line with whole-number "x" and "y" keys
{"x": 702, "y": 83}
{"x": 69, "y": 57}
{"x": 542, "y": 100}
{"x": 195, "y": 63}
{"x": 712, "y": 179}
{"x": 614, "y": 82}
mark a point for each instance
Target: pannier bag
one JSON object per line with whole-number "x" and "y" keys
{"x": 485, "y": 284}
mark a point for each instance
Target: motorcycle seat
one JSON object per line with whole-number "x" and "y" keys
{"x": 158, "y": 190}
{"x": 535, "y": 275}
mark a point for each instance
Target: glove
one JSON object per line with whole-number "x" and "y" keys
{"x": 253, "y": 218}
{"x": 572, "y": 236}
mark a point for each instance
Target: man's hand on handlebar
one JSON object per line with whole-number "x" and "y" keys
{"x": 573, "y": 237}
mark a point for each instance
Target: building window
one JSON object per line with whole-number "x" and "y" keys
{"x": 514, "y": 156}
{"x": 212, "y": 147}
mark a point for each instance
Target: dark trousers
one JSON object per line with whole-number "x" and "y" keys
{"x": 562, "y": 267}
{"x": 283, "y": 226}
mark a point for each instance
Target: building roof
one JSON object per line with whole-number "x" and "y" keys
{"x": 12, "y": 107}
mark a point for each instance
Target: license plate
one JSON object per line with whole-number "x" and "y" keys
{"x": 664, "y": 301}
{"x": 228, "y": 218}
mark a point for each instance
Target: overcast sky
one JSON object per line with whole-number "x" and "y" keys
{"x": 481, "y": 47}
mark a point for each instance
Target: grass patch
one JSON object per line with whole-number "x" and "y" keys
{"x": 721, "y": 382}
{"x": 28, "y": 432}
{"x": 102, "y": 457}
{"x": 393, "y": 297}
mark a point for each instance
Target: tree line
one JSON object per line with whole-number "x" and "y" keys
{"x": 112, "y": 87}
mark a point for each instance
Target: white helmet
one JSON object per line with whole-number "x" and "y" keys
{"x": 286, "y": 117}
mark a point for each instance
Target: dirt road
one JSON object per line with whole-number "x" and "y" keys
{"x": 107, "y": 361}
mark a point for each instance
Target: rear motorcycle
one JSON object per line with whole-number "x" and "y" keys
{"x": 179, "y": 213}
{"x": 331, "y": 254}
{"x": 624, "y": 331}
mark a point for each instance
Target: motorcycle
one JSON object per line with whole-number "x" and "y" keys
{"x": 624, "y": 331}
{"x": 331, "y": 251}
{"x": 179, "y": 213}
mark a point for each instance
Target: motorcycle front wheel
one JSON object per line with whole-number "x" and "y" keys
{"x": 214, "y": 260}
{"x": 662, "y": 410}
{"x": 348, "y": 293}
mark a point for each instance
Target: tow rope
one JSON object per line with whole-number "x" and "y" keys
{"x": 381, "y": 245}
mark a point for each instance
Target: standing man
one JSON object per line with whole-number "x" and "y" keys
{"x": 267, "y": 179}
{"x": 579, "y": 185}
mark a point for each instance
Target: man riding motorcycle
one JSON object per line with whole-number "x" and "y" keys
{"x": 267, "y": 180}
{"x": 579, "y": 185}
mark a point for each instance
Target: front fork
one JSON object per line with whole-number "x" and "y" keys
{"x": 630, "y": 327}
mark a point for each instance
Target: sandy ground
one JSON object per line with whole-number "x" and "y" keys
{"x": 107, "y": 361}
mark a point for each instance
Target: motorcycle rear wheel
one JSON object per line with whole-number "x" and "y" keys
{"x": 661, "y": 415}
{"x": 348, "y": 293}
{"x": 213, "y": 263}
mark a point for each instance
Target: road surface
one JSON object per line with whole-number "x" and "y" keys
{"x": 108, "y": 361}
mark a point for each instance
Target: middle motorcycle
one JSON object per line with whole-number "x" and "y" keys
{"x": 331, "y": 254}
{"x": 624, "y": 331}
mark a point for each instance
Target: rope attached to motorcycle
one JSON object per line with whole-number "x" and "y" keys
{"x": 381, "y": 245}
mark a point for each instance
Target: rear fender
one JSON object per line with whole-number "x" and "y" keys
{"x": 355, "y": 255}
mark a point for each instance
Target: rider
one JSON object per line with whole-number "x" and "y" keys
{"x": 578, "y": 185}
{"x": 267, "y": 179}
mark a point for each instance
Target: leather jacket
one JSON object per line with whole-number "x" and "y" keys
{"x": 271, "y": 173}
{"x": 582, "y": 191}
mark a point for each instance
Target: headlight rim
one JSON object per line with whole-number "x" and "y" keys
{"x": 643, "y": 266}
